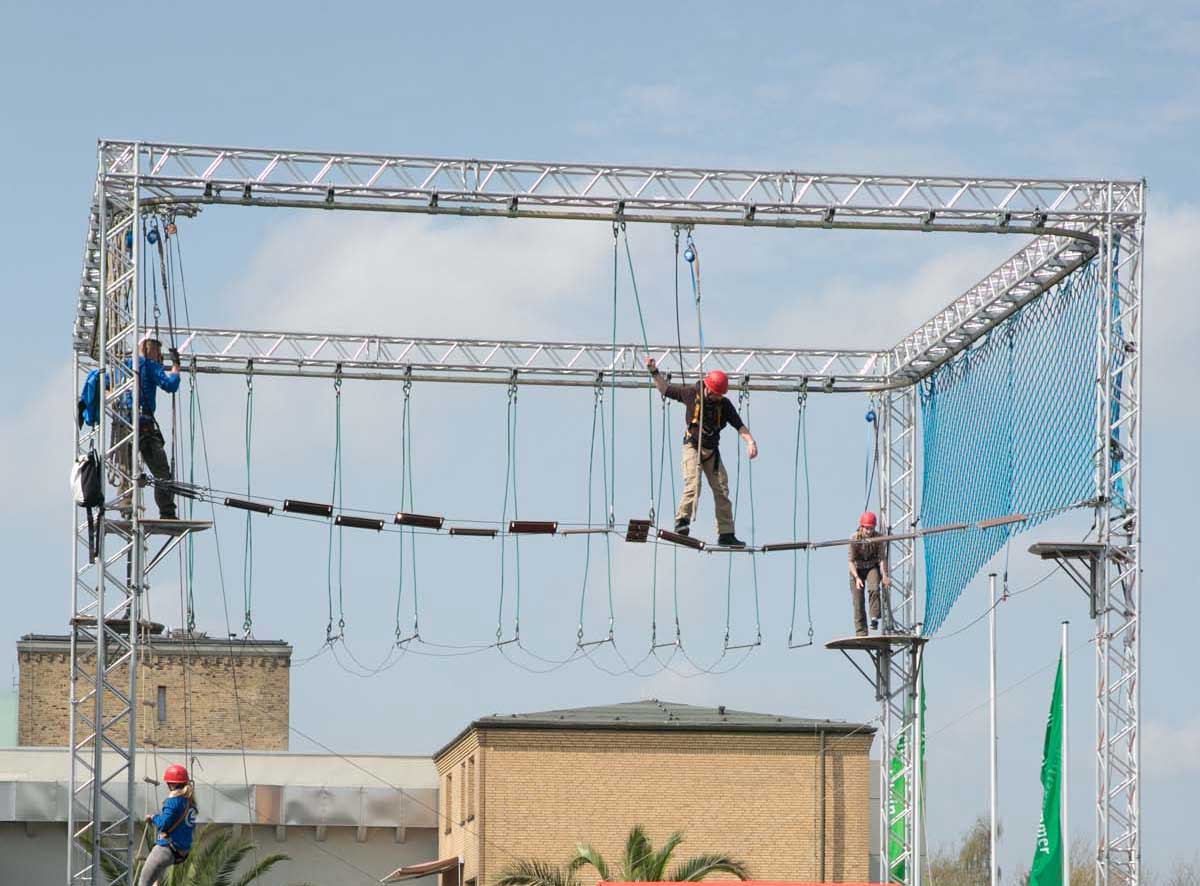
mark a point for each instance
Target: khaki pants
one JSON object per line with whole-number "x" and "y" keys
{"x": 870, "y": 578}
{"x": 718, "y": 482}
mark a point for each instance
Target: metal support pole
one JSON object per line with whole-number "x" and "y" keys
{"x": 993, "y": 745}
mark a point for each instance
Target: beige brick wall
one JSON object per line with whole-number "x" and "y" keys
{"x": 43, "y": 716}
{"x": 751, "y": 795}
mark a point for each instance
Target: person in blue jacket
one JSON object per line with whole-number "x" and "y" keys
{"x": 173, "y": 827}
{"x": 152, "y": 376}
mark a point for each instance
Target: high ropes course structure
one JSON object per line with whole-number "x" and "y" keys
{"x": 1025, "y": 392}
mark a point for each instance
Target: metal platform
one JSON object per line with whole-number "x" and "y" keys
{"x": 1082, "y": 561}
{"x": 160, "y": 527}
{"x": 877, "y": 643}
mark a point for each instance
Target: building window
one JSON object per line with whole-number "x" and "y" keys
{"x": 449, "y": 804}
{"x": 470, "y": 786}
{"x": 162, "y": 704}
{"x": 462, "y": 793}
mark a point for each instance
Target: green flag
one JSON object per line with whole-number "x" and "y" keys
{"x": 1047, "y": 867}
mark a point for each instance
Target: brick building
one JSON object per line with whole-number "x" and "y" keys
{"x": 788, "y": 796}
{"x": 167, "y": 662}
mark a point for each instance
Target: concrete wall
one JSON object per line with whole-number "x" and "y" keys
{"x": 205, "y": 667}
{"x": 37, "y": 855}
{"x": 750, "y": 795}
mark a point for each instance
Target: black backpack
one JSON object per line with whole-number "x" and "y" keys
{"x": 87, "y": 485}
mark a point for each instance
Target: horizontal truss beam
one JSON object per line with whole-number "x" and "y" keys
{"x": 525, "y": 362}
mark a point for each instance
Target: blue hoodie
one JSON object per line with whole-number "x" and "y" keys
{"x": 179, "y": 806}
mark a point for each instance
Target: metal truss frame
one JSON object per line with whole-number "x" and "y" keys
{"x": 525, "y": 362}
{"x": 106, "y": 591}
{"x": 1067, "y": 221}
{"x": 1118, "y": 528}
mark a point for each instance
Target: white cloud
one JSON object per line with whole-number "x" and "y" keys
{"x": 1170, "y": 751}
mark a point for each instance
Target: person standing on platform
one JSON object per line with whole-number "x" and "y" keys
{"x": 151, "y": 377}
{"x": 705, "y": 403}
{"x": 868, "y": 570}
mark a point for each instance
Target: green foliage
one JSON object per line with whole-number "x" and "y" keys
{"x": 214, "y": 861}
{"x": 639, "y": 862}
{"x": 967, "y": 865}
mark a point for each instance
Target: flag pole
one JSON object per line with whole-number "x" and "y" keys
{"x": 1066, "y": 831}
{"x": 993, "y": 873}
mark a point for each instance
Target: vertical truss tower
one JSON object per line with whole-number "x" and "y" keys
{"x": 1065, "y": 223}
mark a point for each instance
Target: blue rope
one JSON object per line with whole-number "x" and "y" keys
{"x": 801, "y": 448}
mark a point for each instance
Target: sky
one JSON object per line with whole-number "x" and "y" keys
{"x": 1074, "y": 89}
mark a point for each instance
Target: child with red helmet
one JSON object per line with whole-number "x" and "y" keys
{"x": 868, "y": 570}
{"x": 173, "y": 827}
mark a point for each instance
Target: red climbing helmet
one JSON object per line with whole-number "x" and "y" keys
{"x": 867, "y": 520}
{"x": 717, "y": 382}
{"x": 175, "y": 774}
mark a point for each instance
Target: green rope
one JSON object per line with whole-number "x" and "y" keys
{"x": 248, "y": 550}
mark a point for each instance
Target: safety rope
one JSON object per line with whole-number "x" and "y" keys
{"x": 510, "y": 481}
{"x": 608, "y": 500}
{"x": 871, "y": 464}
{"x": 248, "y": 549}
{"x": 597, "y": 399}
{"x": 336, "y": 496}
{"x": 190, "y": 503}
{"x": 692, "y": 256}
{"x": 744, "y": 411}
{"x": 406, "y": 504}
{"x": 801, "y": 450}
{"x": 637, "y": 301}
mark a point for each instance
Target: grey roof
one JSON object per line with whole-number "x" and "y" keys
{"x": 655, "y": 715}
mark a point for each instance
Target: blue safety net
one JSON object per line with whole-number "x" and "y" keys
{"x": 1009, "y": 428}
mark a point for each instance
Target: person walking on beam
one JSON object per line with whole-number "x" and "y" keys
{"x": 705, "y": 403}
{"x": 151, "y": 377}
{"x": 868, "y": 570}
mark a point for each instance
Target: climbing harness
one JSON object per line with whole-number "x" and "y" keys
{"x": 801, "y": 451}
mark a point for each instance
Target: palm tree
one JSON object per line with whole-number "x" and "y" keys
{"x": 640, "y": 862}
{"x": 213, "y": 861}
